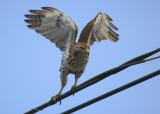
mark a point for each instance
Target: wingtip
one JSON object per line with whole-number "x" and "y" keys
{"x": 99, "y": 13}
{"x": 115, "y": 39}
{"x": 49, "y": 8}
{"x": 25, "y": 15}
{"x": 108, "y": 17}
{"x": 31, "y": 11}
{"x": 26, "y": 21}
{"x": 29, "y": 26}
{"x": 39, "y": 12}
{"x": 45, "y": 7}
{"x": 115, "y": 28}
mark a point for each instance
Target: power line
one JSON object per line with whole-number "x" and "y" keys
{"x": 110, "y": 93}
{"x": 95, "y": 79}
{"x": 121, "y": 67}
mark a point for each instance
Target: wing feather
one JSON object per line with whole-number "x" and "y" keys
{"x": 33, "y": 22}
{"x": 54, "y": 25}
{"x": 35, "y": 17}
{"x": 99, "y": 29}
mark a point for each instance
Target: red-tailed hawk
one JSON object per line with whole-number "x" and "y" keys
{"x": 61, "y": 30}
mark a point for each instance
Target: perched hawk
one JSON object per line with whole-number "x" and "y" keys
{"x": 61, "y": 30}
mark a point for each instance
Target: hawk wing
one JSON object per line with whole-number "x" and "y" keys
{"x": 54, "y": 25}
{"x": 99, "y": 29}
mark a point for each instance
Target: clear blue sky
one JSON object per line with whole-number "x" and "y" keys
{"x": 29, "y": 63}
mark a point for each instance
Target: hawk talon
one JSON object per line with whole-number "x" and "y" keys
{"x": 54, "y": 98}
{"x": 74, "y": 86}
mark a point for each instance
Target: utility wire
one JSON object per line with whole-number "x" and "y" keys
{"x": 95, "y": 79}
{"x": 139, "y": 58}
{"x": 110, "y": 93}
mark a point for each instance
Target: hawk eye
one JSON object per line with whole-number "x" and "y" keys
{"x": 82, "y": 48}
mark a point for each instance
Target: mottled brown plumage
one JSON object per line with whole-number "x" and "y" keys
{"x": 61, "y": 30}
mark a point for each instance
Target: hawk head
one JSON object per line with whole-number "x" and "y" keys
{"x": 82, "y": 47}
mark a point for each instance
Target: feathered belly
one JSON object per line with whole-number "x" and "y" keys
{"x": 76, "y": 63}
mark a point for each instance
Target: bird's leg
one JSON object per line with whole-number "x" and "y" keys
{"x": 75, "y": 84}
{"x": 63, "y": 83}
{"x": 76, "y": 80}
{"x": 59, "y": 94}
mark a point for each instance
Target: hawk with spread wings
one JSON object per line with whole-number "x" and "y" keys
{"x": 61, "y": 30}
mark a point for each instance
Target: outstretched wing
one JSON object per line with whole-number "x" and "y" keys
{"x": 99, "y": 29}
{"x": 54, "y": 25}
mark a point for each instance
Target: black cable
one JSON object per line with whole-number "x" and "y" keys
{"x": 139, "y": 58}
{"x": 117, "y": 90}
